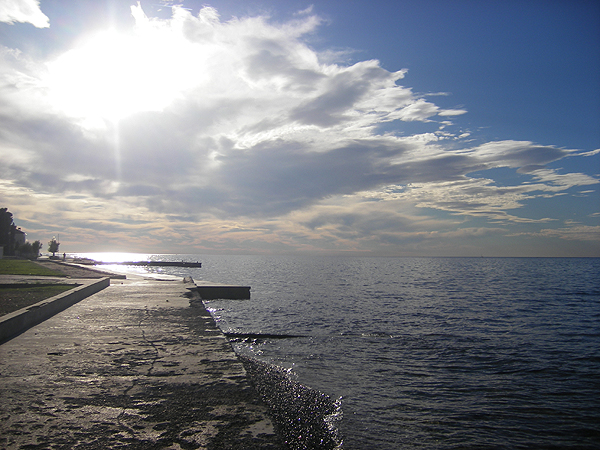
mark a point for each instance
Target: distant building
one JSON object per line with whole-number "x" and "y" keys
{"x": 20, "y": 238}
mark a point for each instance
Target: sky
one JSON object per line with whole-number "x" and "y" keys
{"x": 339, "y": 127}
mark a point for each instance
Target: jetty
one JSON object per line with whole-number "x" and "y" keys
{"x": 212, "y": 291}
{"x": 149, "y": 263}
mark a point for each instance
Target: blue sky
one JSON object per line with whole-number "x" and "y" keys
{"x": 434, "y": 128}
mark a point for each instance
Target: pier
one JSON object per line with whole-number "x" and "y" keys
{"x": 151, "y": 263}
{"x": 212, "y": 291}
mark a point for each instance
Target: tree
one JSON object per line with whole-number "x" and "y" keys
{"x": 13, "y": 239}
{"x": 29, "y": 250}
{"x": 24, "y": 250}
{"x": 53, "y": 246}
{"x": 7, "y": 231}
{"x": 36, "y": 247}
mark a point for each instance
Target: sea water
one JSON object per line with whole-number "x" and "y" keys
{"x": 431, "y": 353}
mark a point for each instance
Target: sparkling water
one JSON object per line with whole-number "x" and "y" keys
{"x": 434, "y": 353}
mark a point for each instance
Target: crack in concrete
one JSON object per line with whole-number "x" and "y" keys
{"x": 126, "y": 392}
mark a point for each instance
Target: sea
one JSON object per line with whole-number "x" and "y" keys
{"x": 424, "y": 353}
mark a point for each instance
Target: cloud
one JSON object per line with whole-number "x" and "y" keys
{"x": 522, "y": 155}
{"x": 591, "y": 153}
{"x": 240, "y": 134}
{"x": 559, "y": 182}
{"x": 419, "y": 110}
{"x": 25, "y": 11}
{"x": 573, "y": 233}
{"x": 452, "y": 112}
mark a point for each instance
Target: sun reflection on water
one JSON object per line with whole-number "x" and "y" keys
{"x": 116, "y": 257}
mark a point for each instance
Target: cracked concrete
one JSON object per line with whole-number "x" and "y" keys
{"x": 136, "y": 365}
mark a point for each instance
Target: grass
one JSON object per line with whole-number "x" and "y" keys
{"x": 14, "y": 297}
{"x": 26, "y": 267}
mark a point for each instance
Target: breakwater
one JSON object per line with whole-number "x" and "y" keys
{"x": 148, "y": 263}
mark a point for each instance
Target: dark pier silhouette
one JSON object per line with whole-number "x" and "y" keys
{"x": 151, "y": 263}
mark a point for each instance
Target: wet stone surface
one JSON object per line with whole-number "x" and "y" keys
{"x": 304, "y": 417}
{"x": 133, "y": 366}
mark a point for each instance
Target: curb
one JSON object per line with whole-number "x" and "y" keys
{"x": 15, "y": 323}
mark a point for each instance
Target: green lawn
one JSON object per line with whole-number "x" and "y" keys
{"x": 14, "y": 297}
{"x": 26, "y": 267}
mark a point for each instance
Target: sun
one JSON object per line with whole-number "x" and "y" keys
{"x": 111, "y": 75}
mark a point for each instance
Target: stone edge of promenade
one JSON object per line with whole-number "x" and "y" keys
{"x": 17, "y": 322}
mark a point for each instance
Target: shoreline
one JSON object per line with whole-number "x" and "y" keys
{"x": 169, "y": 321}
{"x": 305, "y": 417}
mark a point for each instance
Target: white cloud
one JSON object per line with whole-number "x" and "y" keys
{"x": 419, "y": 110}
{"x": 452, "y": 112}
{"x": 234, "y": 133}
{"x": 556, "y": 181}
{"x": 523, "y": 155}
{"x": 25, "y": 11}
{"x": 578, "y": 233}
{"x": 592, "y": 153}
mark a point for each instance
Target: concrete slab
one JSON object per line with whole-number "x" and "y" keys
{"x": 212, "y": 291}
{"x": 17, "y": 322}
{"x": 136, "y": 365}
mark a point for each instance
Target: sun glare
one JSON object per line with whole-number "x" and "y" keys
{"x": 112, "y": 75}
{"x": 114, "y": 257}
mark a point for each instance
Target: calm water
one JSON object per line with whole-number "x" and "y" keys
{"x": 434, "y": 353}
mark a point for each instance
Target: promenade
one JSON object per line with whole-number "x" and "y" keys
{"x": 138, "y": 365}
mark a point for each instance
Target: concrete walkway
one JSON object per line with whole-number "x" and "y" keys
{"x": 137, "y": 365}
